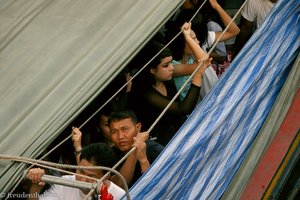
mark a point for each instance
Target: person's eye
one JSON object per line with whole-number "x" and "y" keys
{"x": 125, "y": 129}
{"x": 167, "y": 64}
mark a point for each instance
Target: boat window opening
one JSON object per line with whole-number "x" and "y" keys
{"x": 113, "y": 92}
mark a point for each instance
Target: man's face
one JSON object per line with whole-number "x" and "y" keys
{"x": 122, "y": 133}
{"x": 94, "y": 173}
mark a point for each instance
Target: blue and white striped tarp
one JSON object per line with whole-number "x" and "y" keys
{"x": 205, "y": 154}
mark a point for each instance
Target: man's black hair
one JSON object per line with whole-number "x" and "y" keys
{"x": 100, "y": 154}
{"x": 120, "y": 115}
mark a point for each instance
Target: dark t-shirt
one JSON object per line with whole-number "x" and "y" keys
{"x": 153, "y": 149}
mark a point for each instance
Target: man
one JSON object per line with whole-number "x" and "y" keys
{"x": 98, "y": 154}
{"x": 125, "y": 133}
{"x": 252, "y": 15}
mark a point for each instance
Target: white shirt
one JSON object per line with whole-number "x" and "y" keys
{"x": 257, "y": 10}
{"x": 60, "y": 192}
{"x": 220, "y": 47}
{"x": 211, "y": 37}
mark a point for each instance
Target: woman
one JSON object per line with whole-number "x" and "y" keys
{"x": 154, "y": 88}
{"x": 206, "y": 40}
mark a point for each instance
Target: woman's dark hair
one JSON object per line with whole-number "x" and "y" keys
{"x": 145, "y": 78}
{"x": 152, "y": 49}
{"x": 100, "y": 154}
{"x": 178, "y": 44}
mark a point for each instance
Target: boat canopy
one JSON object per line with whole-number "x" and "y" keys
{"x": 56, "y": 56}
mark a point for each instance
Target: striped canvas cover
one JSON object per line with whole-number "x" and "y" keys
{"x": 203, "y": 157}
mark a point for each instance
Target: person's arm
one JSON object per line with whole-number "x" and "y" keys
{"x": 127, "y": 171}
{"x": 128, "y": 168}
{"x": 140, "y": 151}
{"x": 199, "y": 54}
{"x": 35, "y": 175}
{"x": 76, "y": 138}
{"x": 243, "y": 36}
{"x": 232, "y": 30}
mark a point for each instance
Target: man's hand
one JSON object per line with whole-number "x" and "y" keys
{"x": 76, "y": 138}
{"x": 140, "y": 152}
{"x": 35, "y": 175}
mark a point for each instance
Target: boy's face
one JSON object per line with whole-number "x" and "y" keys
{"x": 94, "y": 173}
{"x": 122, "y": 133}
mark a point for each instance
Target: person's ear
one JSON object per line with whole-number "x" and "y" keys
{"x": 139, "y": 127}
{"x": 153, "y": 70}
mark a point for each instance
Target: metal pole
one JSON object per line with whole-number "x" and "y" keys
{"x": 71, "y": 183}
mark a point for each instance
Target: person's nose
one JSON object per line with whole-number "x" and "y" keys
{"x": 171, "y": 67}
{"x": 121, "y": 135}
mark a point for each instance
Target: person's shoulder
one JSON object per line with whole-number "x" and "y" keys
{"x": 151, "y": 144}
{"x": 255, "y": 2}
{"x": 154, "y": 149}
{"x": 251, "y": 9}
{"x": 213, "y": 26}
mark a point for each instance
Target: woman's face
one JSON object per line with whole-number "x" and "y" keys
{"x": 187, "y": 49}
{"x": 164, "y": 71}
{"x": 105, "y": 130}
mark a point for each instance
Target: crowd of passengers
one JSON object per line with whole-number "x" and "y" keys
{"x": 124, "y": 122}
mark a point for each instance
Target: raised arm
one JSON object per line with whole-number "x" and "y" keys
{"x": 199, "y": 54}
{"x": 76, "y": 139}
{"x": 232, "y": 30}
{"x": 128, "y": 168}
